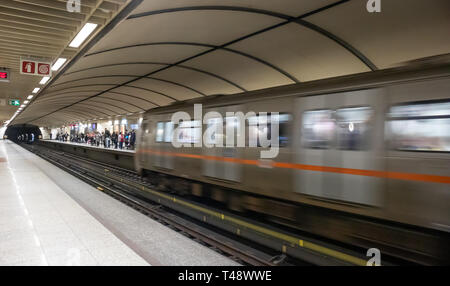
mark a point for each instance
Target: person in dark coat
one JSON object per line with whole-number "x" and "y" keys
{"x": 132, "y": 139}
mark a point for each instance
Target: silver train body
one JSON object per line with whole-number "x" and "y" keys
{"x": 374, "y": 144}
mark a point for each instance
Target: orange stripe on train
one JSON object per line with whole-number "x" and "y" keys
{"x": 358, "y": 172}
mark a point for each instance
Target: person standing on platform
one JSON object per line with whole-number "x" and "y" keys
{"x": 97, "y": 138}
{"x": 127, "y": 137}
{"x": 132, "y": 139}
{"x": 114, "y": 139}
{"x": 121, "y": 140}
{"x": 107, "y": 138}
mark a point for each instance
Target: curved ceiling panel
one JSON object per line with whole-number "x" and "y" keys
{"x": 111, "y": 79}
{"x": 207, "y": 27}
{"x": 113, "y": 69}
{"x": 403, "y": 31}
{"x": 205, "y": 82}
{"x": 173, "y": 89}
{"x": 53, "y": 102}
{"x": 290, "y": 7}
{"x": 302, "y": 52}
{"x": 83, "y": 87}
{"x": 156, "y": 54}
{"x": 81, "y": 108}
{"x": 115, "y": 102}
{"x": 131, "y": 99}
{"x": 65, "y": 95}
{"x": 70, "y": 92}
{"x": 156, "y": 98}
{"x": 110, "y": 108}
{"x": 248, "y": 73}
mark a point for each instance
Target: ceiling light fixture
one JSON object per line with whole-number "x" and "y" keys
{"x": 87, "y": 29}
{"x": 58, "y": 64}
{"x": 36, "y": 90}
{"x": 44, "y": 80}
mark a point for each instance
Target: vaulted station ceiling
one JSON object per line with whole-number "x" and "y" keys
{"x": 42, "y": 29}
{"x": 167, "y": 51}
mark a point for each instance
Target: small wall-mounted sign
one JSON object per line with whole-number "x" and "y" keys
{"x": 32, "y": 66}
{"x": 14, "y": 102}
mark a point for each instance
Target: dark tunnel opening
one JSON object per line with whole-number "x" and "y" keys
{"x": 26, "y": 133}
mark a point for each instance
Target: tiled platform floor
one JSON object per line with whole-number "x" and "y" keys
{"x": 41, "y": 225}
{"x": 48, "y": 217}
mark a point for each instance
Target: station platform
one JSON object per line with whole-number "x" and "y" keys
{"x": 90, "y": 146}
{"x": 115, "y": 157}
{"x": 49, "y": 217}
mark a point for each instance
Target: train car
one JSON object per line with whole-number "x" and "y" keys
{"x": 374, "y": 144}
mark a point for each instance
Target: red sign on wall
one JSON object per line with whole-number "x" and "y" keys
{"x": 43, "y": 69}
{"x": 28, "y": 67}
{"x": 31, "y": 66}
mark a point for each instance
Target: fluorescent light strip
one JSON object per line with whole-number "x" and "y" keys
{"x": 36, "y": 90}
{"x": 30, "y": 96}
{"x": 58, "y": 64}
{"x": 82, "y": 35}
{"x": 44, "y": 80}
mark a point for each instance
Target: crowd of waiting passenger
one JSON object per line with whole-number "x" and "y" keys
{"x": 106, "y": 139}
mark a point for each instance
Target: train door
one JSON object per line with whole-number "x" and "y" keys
{"x": 418, "y": 137}
{"x": 264, "y": 177}
{"x": 163, "y": 158}
{"x": 220, "y": 162}
{"x": 143, "y": 142}
{"x": 341, "y": 146}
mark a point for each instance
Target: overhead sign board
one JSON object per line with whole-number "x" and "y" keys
{"x": 37, "y": 67}
{"x": 4, "y": 75}
{"x": 14, "y": 102}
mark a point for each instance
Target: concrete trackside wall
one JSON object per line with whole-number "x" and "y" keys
{"x": 111, "y": 157}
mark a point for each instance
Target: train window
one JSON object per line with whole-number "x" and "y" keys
{"x": 419, "y": 127}
{"x": 214, "y": 137}
{"x": 189, "y": 131}
{"x": 145, "y": 128}
{"x": 168, "y": 131}
{"x": 318, "y": 129}
{"x": 353, "y": 128}
{"x": 232, "y": 139}
{"x": 261, "y": 127}
{"x": 159, "y": 131}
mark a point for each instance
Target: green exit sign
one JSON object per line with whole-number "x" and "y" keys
{"x": 14, "y": 102}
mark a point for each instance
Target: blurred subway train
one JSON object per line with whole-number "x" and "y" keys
{"x": 374, "y": 145}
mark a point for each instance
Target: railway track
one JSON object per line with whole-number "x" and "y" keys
{"x": 243, "y": 240}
